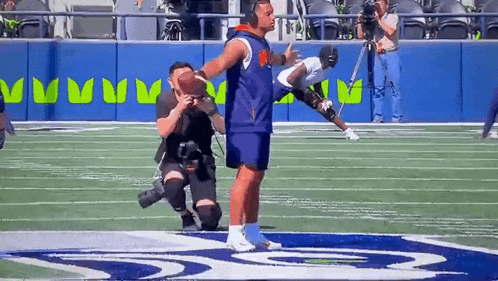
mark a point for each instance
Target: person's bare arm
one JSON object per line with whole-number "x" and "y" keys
{"x": 218, "y": 122}
{"x": 289, "y": 57}
{"x": 360, "y": 32}
{"x": 296, "y": 74}
{"x": 209, "y": 107}
{"x": 389, "y": 26}
{"x": 167, "y": 125}
{"x": 318, "y": 89}
{"x": 234, "y": 51}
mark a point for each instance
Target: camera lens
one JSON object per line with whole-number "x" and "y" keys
{"x": 151, "y": 196}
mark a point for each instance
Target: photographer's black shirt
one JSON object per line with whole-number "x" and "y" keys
{"x": 194, "y": 125}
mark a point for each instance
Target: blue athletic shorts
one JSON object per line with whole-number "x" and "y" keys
{"x": 251, "y": 149}
{"x": 280, "y": 90}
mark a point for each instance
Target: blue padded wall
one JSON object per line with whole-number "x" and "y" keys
{"x": 14, "y": 69}
{"x": 441, "y": 81}
{"x": 149, "y": 63}
{"x": 479, "y": 78}
{"x": 431, "y": 81}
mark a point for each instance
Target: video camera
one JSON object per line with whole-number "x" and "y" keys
{"x": 369, "y": 22}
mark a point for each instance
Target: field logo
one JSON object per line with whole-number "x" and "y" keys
{"x": 201, "y": 255}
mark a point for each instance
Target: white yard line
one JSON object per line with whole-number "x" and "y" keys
{"x": 266, "y": 190}
{"x": 282, "y": 178}
{"x": 336, "y": 203}
{"x": 7, "y": 166}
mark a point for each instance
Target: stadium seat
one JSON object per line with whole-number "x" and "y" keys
{"x": 452, "y": 27}
{"x": 29, "y": 26}
{"x": 491, "y": 23}
{"x": 351, "y": 23}
{"x": 93, "y": 27}
{"x": 136, "y": 28}
{"x": 479, "y": 4}
{"x": 414, "y": 28}
{"x": 348, "y": 4}
{"x": 212, "y": 26}
{"x": 331, "y": 25}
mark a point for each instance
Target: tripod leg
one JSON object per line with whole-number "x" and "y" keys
{"x": 353, "y": 76}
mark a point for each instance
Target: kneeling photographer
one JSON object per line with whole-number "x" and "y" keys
{"x": 185, "y": 119}
{"x": 376, "y": 24}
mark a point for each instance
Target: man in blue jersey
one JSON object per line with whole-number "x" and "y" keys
{"x": 491, "y": 117}
{"x": 248, "y": 61}
{"x": 311, "y": 72}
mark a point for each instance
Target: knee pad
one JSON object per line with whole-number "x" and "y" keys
{"x": 175, "y": 194}
{"x": 326, "y": 110}
{"x": 319, "y": 104}
{"x": 209, "y": 215}
{"x": 310, "y": 98}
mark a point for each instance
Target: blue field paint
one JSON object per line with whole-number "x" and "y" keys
{"x": 203, "y": 255}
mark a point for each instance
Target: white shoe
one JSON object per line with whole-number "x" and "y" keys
{"x": 236, "y": 240}
{"x": 378, "y": 119}
{"x": 492, "y": 135}
{"x": 254, "y": 236}
{"x": 351, "y": 135}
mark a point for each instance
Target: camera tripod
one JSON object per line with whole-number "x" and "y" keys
{"x": 369, "y": 47}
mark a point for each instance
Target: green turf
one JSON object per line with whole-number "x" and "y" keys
{"x": 20, "y": 271}
{"x": 396, "y": 179}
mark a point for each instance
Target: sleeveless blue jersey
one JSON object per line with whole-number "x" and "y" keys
{"x": 249, "y": 100}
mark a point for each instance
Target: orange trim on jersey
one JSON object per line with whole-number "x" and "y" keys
{"x": 242, "y": 27}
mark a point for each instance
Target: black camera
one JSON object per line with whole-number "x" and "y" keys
{"x": 151, "y": 196}
{"x": 369, "y": 22}
{"x": 192, "y": 160}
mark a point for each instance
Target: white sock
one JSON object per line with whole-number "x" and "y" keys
{"x": 234, "y": 229}
{"x": 348, "y": 130}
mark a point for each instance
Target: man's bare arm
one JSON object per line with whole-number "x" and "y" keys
{"x": 234, "y": 51}
{"x": 296, "y": 74}
{"x": 289, "y": 57}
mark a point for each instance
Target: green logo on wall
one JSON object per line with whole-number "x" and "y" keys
{"x": 148, "y": 97}
{"x": 112, "y": 95}
{"x": 75, "y": 96}
{"x": 49, "y": 97}
{"x": 14, "y": 96}
{"x": 354, "y": 97}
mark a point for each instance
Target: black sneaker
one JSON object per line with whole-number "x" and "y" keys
{"x": 188, "y": 223}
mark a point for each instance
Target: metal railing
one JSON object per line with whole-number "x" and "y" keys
{"x": 121, "y": 18}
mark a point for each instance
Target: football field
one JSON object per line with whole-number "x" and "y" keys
{"x": 428, "y": 180}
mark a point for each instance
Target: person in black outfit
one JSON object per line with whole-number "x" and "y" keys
{"x": 186, "y": 120}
